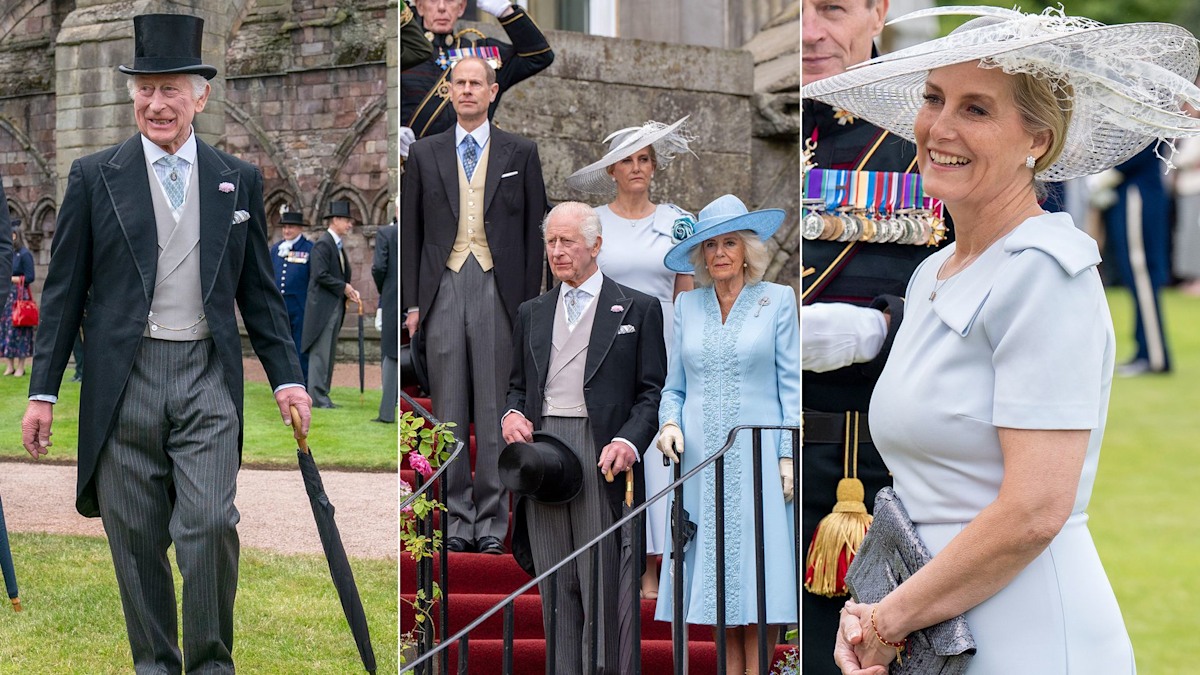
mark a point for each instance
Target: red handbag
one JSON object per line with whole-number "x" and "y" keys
{"x": 25, "y": 310}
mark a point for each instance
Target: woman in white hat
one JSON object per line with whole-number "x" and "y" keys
{"x": 637, "y": 234}
{"x": 991, "y": 408}
{"x": 735, "y": 361}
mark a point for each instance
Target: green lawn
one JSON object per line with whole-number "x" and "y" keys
{"x": 287, "y": 618}
{"x": 340, "y": 438}
{"x": 1143, "y": 516}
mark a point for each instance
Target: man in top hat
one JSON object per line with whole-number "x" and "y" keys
{"x": 329, "y": 290}
{"x": 471, "y": 204}
{"x": 167, "y": 234}
{"x": 289, "y": 257}
{"x": 589, "y": 362}
{"x": 849, "y": 288}
{"x": 385, "y": 270}
{"x": 425, "y": 105}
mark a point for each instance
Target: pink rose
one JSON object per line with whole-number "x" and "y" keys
{"x": 419, "y": 464}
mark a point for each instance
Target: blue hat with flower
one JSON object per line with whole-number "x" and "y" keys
{"x": 723, "y": 215}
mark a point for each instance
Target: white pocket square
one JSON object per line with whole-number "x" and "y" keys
{"x": 240, "y": 216}
{"x": 510, "y": 173}
{"x": 625, "y": 329}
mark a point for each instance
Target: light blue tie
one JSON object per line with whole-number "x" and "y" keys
{"x": 172, "y": 182}
{"x": 470, "y": 155}
{"x": 575, "y": 299}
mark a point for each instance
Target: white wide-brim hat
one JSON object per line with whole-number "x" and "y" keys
{"x": 723, "y": 215}
{"x": 1127, "y": 81}
{"x": 668, "y": 140}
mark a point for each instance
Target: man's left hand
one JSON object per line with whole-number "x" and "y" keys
{"x": 616, "y": 457}
{"x": 497, "y": 8}
{"x": 295, "y": 396}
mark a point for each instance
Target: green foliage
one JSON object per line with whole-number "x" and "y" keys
{"x": 287, "y": 618}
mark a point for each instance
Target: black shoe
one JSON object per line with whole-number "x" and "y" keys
{"x": 1138, "y": 367}
{"x": 490, "y": 545}
{"x": 459, "y": 545}
{"x": 383, "y": 421}
{"x": 77, "y": 378}
{"x": 329, "y": 404}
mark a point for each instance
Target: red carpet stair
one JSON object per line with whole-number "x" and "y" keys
{"x": 477, "y": 582}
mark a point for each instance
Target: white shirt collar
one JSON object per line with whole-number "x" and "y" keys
{"x": 336, "y": 239}
{"x": 187, "y": 152}
{"x": 592, "y": 286}
{"x": 481, "y": 134}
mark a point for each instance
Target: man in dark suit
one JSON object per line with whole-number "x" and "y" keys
{"x": 6, "y": 247}
{"x": 471, "y": 206}
{"x": 329, "y": 290}
{"x": 289, "y": 257}
{"x": 167, "y": 234}
{"x": 385, "y": 271}
{"x": 589, "y": 363}
{"x": 425, "y": 97}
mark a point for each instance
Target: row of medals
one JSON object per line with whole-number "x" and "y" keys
{"x": 907, "y": 226}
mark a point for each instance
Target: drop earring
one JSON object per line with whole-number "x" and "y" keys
{"x": 1030, "y": 162}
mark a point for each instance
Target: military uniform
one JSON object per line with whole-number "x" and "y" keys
{"x": 425, "y": 89}
{"x": 414, "y": 46}
{"x": 858, "y": 273}
{"x": 291, "y": 278}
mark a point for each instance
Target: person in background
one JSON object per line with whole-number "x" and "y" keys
{"x": 289, "y": 258}
{"x": 414, "y": 46}
{"x": 638, "y": 234}
{"x": 735, "y": 361}
{"x": 329, "y": 290}
{"x": 385, "y": 271}
{"x": 1185, "y": 186}
{"x": 16, "y": 342}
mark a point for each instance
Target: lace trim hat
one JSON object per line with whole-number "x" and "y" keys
{"x": 668, "y": 140}
{"x": 1127, "y": 81}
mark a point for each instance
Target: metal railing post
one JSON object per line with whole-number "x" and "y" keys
{"x": 678, "y": 630}
{"x": 508, "y": 638}
{"x": 719, "y": 513}
{"x": 760, "y": 572}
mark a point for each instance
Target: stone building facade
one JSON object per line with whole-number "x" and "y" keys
{"x": 302, "y": 92}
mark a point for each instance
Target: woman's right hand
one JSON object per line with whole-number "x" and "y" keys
{"x": 849, "y": 652}
{"x": 670, "y": 441}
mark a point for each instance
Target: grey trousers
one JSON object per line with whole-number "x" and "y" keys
{"x": 168, "y": 474}
{"x": 555, "y": 531}
{"x": 321, "y": 357}
{"x": 391, "y": 382}
{"x": 468, "y": 350}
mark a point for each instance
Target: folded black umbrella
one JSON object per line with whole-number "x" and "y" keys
{"x": 362, "y": 357}
{"x": 335, "y": 552}
{"x": 6, "y": 564}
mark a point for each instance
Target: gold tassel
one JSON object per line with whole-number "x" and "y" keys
{"x": 840, "y": 533}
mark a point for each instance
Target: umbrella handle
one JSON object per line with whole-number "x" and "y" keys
{"x": 629, "y": 486}
{"x": 297, "y": 432}
{"x": 359, "y": 301}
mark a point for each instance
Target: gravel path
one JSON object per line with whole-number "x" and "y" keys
{"x": 276, "y": 516}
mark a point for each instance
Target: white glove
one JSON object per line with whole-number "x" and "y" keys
{"x": 1102, "y": 188}
{"x": 670, "y": 441}
{"x": 785, "y": 475}
{"x": 494, "y": 7}
{"x": 837, "y": 334}
{"x": 406, "y": 139}
{"x": 379, "y": 319}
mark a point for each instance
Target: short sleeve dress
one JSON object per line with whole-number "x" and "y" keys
{"x": 632, "y": 255}
{"x": 1022, "y": 338}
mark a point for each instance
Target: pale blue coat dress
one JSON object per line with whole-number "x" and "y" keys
{"x": 745, "y": 371}
{"x": 1021, "y": 338}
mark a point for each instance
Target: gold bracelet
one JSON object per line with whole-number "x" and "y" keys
{"x": 898, "y": 646}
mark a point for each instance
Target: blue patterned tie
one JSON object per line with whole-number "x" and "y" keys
{"x": 470, "y": 155}
{"x": 172, "y": 182}
{"x": 574, "y": 305}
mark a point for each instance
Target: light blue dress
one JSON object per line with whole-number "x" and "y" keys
{"x": 1021, "y": 338}
{"x": 745, "y": 371}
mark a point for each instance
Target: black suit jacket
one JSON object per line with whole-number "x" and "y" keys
{"x": 6, "y": 249}
{"x": 514, "y": 204}
{"x": 623, "y": 379}
{"x": 327, "y": 279}
{"x": 384, "y": 271}
{"x": 106, "y": 243}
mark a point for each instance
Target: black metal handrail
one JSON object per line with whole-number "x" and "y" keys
{"x": 638, "y": 513}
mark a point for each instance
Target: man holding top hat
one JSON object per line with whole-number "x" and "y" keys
{"x": 289, "y": 257}
{"x": 167, "y": 235}
{"x": 588, "y": 367}
{"x": 329, "y": 290}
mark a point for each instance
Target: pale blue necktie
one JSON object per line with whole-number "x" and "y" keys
{"x": 575, "y": 298}
{"x": 470, "y": 155}
{"x": 172, "y": 182}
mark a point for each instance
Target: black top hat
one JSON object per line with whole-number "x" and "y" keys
{"x": 168, "y": 44}
{"x": 338, "y": 208}
{"x": 546, "y": 470}
{"x": 292, "y": 218}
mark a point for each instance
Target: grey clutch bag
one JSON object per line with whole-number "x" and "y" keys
{"x": 891, "y": 552}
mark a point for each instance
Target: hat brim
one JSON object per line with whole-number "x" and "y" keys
{"x": 519, "y": 477}
{"x": 205, "y": 71}
{"x": 594, "y": 178}
{"x": 1110, "y": 122}
{"x": 762, "y": 223}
